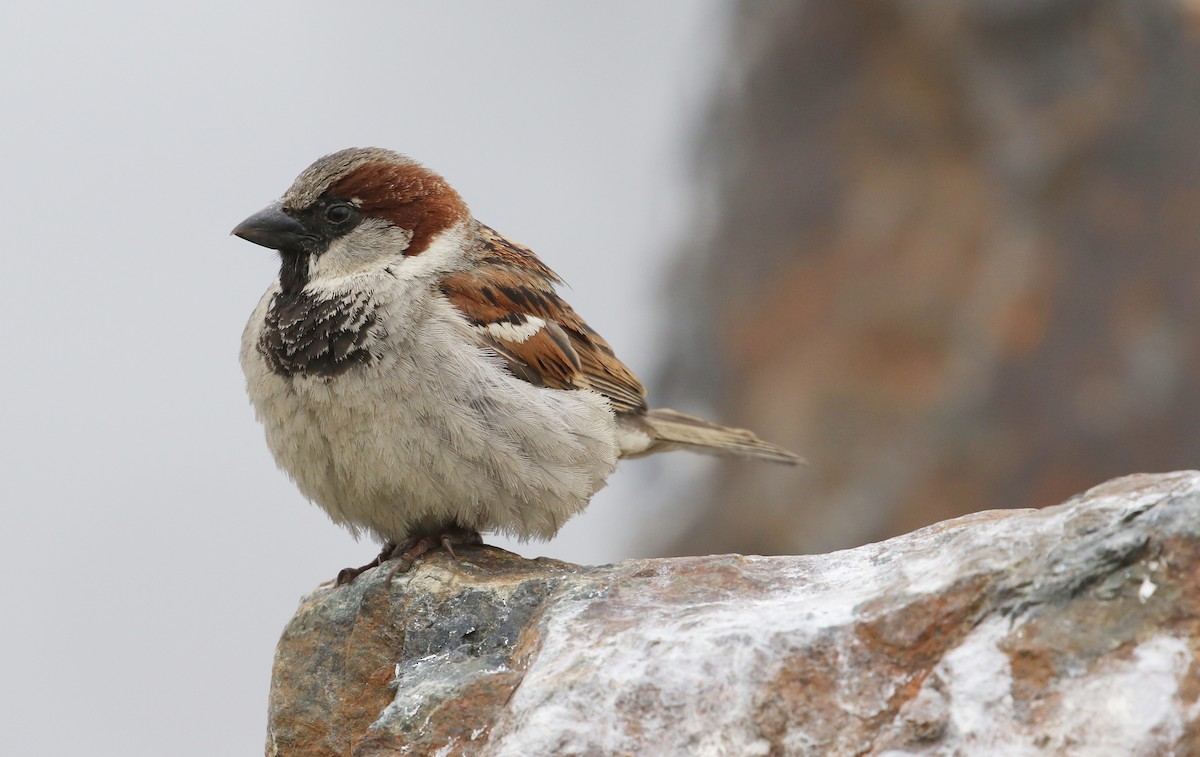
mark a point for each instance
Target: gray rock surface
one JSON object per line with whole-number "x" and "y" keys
{"x": 1069, "y": 630}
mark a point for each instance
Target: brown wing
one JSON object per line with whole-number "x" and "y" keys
{"x": 511, "y": 301}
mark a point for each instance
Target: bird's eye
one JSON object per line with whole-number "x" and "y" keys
{"x": 339, "y": 213}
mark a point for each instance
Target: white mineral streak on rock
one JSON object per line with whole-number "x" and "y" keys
{"x": 1147, "y": 589}
{"x": 707, "y": 663}
{"x": 1128, "y": 707}
{"x": 691, "y": 663}
{"x": 978, "y": 682}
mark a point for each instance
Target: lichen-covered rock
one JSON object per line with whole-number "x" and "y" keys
{"x": 1070, "y": 630}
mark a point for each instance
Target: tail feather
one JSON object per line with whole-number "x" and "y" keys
{"x": 674, "y": 430}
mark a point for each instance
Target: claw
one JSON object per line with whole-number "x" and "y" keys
{"x": 407, "y": 552}
{"x": 347, "y": 575}
{"x": 410, "y": 550}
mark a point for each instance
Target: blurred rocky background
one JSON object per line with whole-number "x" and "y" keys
{"x": 950, "y": 252}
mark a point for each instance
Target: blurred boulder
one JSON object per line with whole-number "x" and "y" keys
{"x": 950, "y": 252}
{"x": 1070, "y": 630}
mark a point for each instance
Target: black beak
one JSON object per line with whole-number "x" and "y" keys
{"x": 273, "y": 228}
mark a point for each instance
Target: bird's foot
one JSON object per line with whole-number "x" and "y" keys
{"x": 347, "y": 575}
{"x": 408, "y": 551}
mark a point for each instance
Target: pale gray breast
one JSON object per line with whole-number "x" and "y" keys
{"x": 306, "y": 334}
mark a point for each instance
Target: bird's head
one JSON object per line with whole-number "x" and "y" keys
{"x": 362, "y": 210}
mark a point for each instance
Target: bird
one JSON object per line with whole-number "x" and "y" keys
{"x": 420, "y": 379}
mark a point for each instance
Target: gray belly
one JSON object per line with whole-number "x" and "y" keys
{"x": 414, "y": 445}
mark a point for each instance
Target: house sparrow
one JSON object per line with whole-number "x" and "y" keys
{"x": 419, "y": 378}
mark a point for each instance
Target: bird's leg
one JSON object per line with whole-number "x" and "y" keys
{"x": 347, "y": 575}
{"x": 408, "y": 551}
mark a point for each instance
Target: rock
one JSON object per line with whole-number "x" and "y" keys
{"x": 1069, "y": 630}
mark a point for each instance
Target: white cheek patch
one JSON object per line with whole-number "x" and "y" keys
{"x": 444, "y": 253}
{"x": 370, "y": 247}
{"x": 516, "y": 333}
{"x": 376, "y": 246}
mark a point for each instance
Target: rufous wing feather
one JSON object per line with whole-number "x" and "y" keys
{"x": 509, "y": 300}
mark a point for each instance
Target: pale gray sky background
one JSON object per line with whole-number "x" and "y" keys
{"x": 152, "y": 552}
